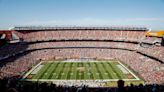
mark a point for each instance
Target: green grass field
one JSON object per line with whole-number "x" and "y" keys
{"x": 63, "y": 70}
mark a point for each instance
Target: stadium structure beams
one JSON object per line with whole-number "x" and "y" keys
{"x": 35, "y": 28}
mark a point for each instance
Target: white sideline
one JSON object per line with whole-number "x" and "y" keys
{"x": 129, "y": 70}
{"x": 123, "y": 69}
{"x": 89, "y": 83}
{"x": 104, "y": 80}
{"x": 31, "y": 70}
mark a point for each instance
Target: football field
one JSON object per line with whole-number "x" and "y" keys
{"x": 80, "y": 70}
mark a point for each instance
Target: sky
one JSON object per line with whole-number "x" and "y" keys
{"x": 139, "y": 13}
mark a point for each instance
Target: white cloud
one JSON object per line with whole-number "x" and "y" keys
{"x": 146, "y": 22}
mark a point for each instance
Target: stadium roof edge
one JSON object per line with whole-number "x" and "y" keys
{"x": 19, "y": 28}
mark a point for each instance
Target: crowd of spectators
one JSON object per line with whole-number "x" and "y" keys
{"x": 14, "y": 64}
{"x": 154, "y": 51}
{"x": 12, "y": 85}
{"x": 120, "y": 35}
{"x": 143, "y": 65}
{"x": 11, "y": 49}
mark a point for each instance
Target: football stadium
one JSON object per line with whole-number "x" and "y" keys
{"x": 96, "y": 57}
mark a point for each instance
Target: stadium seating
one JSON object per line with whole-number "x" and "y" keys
{"x": 101, "y": 44}
{"x": 82, "y": 35}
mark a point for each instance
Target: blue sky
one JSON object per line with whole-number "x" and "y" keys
{"x": 149, "y": 13}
